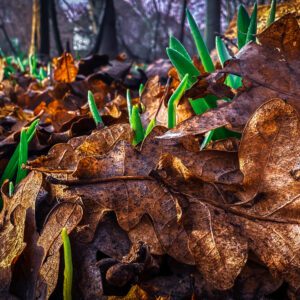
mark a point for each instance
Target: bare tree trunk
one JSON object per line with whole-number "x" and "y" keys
{"x": 213, "y": 20}
{"x": 34, "y": 27}
{"x": 44, "y": 46}
{"x": 182, "y": 22}
{"x": 55, "y": 27}
{"x": 2, "y": 27}
{"x": 106, "y": 40}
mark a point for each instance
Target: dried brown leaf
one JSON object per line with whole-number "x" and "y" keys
{"x": 65, "y": 69}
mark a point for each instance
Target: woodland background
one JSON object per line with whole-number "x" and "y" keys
{"x": 139, "y": 28}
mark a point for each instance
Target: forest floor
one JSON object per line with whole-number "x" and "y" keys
{"x": 157, "y": 217}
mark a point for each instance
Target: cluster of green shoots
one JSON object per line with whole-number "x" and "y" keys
{"x": 135, "y": 119}
{"x": 14, "y": 171}
{"x": 188, "y": 73}
{"x": 21, "y": 63}
{"x": 133, "y": 114}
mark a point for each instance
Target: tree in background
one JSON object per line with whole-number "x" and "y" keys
{"x": 106, "y": 39}
{"x": 212, "y": 22}
{"x": 40, "y": 33}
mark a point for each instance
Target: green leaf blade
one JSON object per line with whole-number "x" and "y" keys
{"x": 68, "y": 271}
{"x": 251, "y": 33}
{"x": 200, "y": 44}
{"x": 174, "y": 99}
{"x": 136, "y": 125}
{"x": 272, "y": 13}
{"x": 94, "y": 110}
{"x": 183, "y": 66}
{"x": 23, "y": 157}
{"x": 175, "y": 44}
{"x": 243, "y": 21}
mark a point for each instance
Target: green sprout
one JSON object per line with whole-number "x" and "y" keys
{"x": 200, "y": 44}
{"x": 223, "y": 54}
{"x": 177, "y": 45}
{"x": 150, "y": 126}
{"x": 141, "y": 90}
{"x": 94, "y": 110}
{"x": 174, "y": 99}
{"x": 12, "y": 165}
{"x": 42, "y": 74}
{"x": 11, "y": 189}
{"x": 129, "y": 103}
{"x": 200, "y": 105}
{"x": 136, "y": 125}
{"x": 68, "y": 271}
{"x": 32, "y": 65}
{"x": 243, "y": 21}
{"x": 20, "y": 64}
{"x": 49, "y": 70}
{"x": 251, "y": 33}
{"x": 220, "y": 133}
{"x": 183, "y": 66}
{"x": 207, "y": 138}
{"x": 23, "y": 156}
{"x": 272, "y": 13}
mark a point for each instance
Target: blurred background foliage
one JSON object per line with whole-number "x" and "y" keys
{"x": 139, "y": 28}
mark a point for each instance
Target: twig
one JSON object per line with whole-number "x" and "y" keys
{"x": 95, "y": 180}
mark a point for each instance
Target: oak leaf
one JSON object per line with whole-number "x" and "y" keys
{"x": 65, "y": 69}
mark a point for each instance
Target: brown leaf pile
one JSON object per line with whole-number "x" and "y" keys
{"x": 163, "y": 220}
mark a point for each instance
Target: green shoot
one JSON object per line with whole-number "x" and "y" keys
{"x": 141, "y": 89}
{"x": 23, "y": 156}
{"x": 251, "y": 33}
{"x": 200, "y": 44}
{"x": 20, "y": 64}
{"x": 224, "y": 55}
{"x": 94, "y": 110}
{"x": 136, "y": 125}
{"x": 49, "y": 70}
{"x": 207, "y": 138}
{"x": 220, "y": 133}
{"x": 68, "y": 271}
{"x": 13, "y": 162}
{"x": 243, "y": 21}
{"x": 11, "y": 189}
{"x": 272, "y": 13}
{"x": 183, "y": 66}
{"x": 174, "y": 99}
{"x": 176, "y": 45}
{"x": 200, "y": 106}
{"x": 32, "y": 65}
{"x": 150, "y": 126}
{"x": 129, "y": 103}
{"x": 42, "y": 74}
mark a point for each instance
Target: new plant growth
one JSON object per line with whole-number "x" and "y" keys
{"x": 251, "y": 33}
{"x": 23, "y": 156}
{"x": 11, "y": 189}
{"x": 272, "y": 13}
{"x": 94, "y": 110}
{"x": 136, "y": 125}
{"x": 13, "y": 163}
{"x": 68, "y": 271}
{"x": 174, "y": 99}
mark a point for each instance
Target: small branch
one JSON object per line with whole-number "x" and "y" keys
{"x": 95, "y": 180}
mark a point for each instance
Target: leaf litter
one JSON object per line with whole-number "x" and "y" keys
{"x": 161, "y": 220}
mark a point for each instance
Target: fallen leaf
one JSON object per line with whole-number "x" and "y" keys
{"x": 65, "y": 69}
